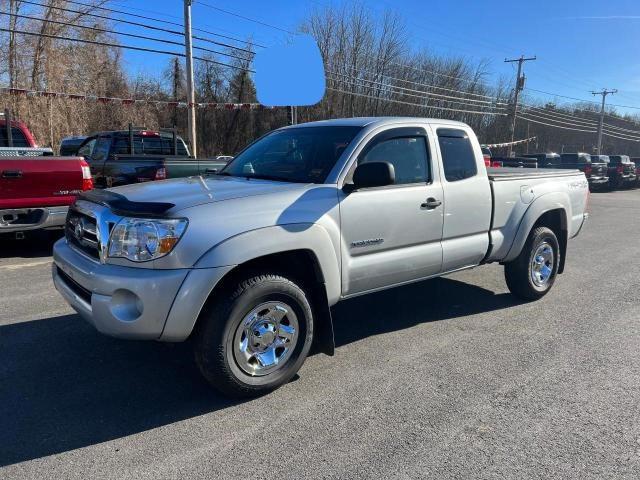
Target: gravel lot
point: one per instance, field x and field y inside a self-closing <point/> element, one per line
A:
<point x="450" y="378"/>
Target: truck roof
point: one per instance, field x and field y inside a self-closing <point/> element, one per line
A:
<point x="377" y="121"/>
<point x="136" y="133"/>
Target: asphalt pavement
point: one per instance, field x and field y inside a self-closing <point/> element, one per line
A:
<point x="448" y="378"/>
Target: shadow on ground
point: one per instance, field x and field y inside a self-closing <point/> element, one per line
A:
<point x="36" y="244"/>
<point x="64" y="386"/>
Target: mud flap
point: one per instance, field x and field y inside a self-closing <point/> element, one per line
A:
<point x="324" y="341"/>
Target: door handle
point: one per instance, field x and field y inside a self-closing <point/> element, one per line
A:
<point x="12" y="174"/>
<point x="431" y="203"/>
<point x="210" y="171"/>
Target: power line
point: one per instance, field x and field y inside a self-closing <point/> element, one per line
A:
<point x="132" y="35"/>
<point x="137" y="24"/>
<point x="237" y="15"/>
<point x="522" y="117"/>
<point x="579" y="99"/>
<point x="613" y="127"/>
<point x="125" y="47"/>
<point x="548" y="115"/>
<point x="166" y="22"/>
<point x="425" y="95"/>
<point x="621" y="138"/>
<point x="424" y="84"/>
<point x="561" y="122"/>
<point x="563" y="117"/>
<point x="413" y="104"/>
<point x="433" y="72"/>
<point x="393" y="92"/>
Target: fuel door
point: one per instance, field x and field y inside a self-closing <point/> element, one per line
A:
<point x="526" y="194"/>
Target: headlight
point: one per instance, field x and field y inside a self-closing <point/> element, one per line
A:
<point x="140" y="239"/>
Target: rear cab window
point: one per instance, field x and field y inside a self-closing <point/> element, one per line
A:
<point x="458" y="157"/>
<point x="19" y="139"/>
<point x="572" y="158"/>
<point x="146" y="145"/>
<point x="101" y="149"/>
<point x="87" y="148"/>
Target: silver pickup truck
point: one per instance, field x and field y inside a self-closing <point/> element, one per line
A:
<point x="248" y="262"/>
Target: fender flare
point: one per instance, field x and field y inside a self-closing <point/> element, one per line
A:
<point x="541" y="205"/>
<point x="261" y="242"/>
<point x="221" y="259"/>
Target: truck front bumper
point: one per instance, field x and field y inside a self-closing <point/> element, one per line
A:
<point x="130" y="302"/>
<point x="23" y="219"/>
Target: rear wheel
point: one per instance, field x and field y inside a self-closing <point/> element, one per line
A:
<point x="532" y="274"/>
<point x="255" y="337"/>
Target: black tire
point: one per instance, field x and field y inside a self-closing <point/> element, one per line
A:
<point x="518" y="273"/>
<point x="220" y="321"/>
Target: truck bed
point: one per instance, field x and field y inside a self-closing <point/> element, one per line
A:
<point x="503" y="174"/>
<point x="516" y="190"/>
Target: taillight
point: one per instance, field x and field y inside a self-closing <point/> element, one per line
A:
<point x="587" y="170"/>
<point x="496" y="163"/>
<point x="87" y="179"/>
<point x="487" y="160"/>
<point x="620" y="168"/>
<point x="161" y="174"/>
<point x="586" y="201"/>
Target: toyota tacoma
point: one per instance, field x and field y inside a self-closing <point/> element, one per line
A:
<point x="248" y="262"/>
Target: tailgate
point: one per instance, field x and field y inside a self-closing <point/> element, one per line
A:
<point x="39" y="182"/>
<point x="629" y="168"/>
<point x="599" y="170"/>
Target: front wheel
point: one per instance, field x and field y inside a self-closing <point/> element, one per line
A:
<point x="254" y="337"/>
<point x="532" y="274"/>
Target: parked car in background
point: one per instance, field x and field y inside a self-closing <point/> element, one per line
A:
<point x="133" y="156"/>
<point x="36" y="190"/>
<point x="488" y="158"/>
<point x="595" y="171"/>
<point x="545" y="160"/>
<point x="20" y="134"/>
<point x="486" y="155"/>
<point x="622" y="171"/>
<point x="69" y="145"/>
<point x="515" y="162"/>
<point x="247" y="263"/>
<point x="636" y="161"/>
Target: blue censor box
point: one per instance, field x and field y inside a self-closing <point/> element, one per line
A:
<point x="291" y="74"/>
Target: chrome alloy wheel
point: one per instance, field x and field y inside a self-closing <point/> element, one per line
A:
<point x="265" y="338"/>
<point x="542" y="265"/>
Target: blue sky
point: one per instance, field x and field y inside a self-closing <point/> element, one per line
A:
<point x="581" y="45"/>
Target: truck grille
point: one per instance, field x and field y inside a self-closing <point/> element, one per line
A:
<point x="81" y="232"/>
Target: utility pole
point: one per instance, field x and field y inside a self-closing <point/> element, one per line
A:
<point x="604" y="92"/>
<point x="191" y="96"/>
<point x="519" y="87"/>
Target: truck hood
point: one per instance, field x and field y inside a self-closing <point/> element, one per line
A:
<point x="193" y="191"/>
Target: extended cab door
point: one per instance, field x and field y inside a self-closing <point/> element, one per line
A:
<point x="390" y="235"/>
<point x="467" y="198"/>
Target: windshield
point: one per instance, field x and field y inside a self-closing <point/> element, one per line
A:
<point x="300" y="155"/>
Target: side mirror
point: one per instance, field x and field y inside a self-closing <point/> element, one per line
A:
<point x="374" y="174"/>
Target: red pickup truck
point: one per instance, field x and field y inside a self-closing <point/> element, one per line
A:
<point x="36" y="188"/>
